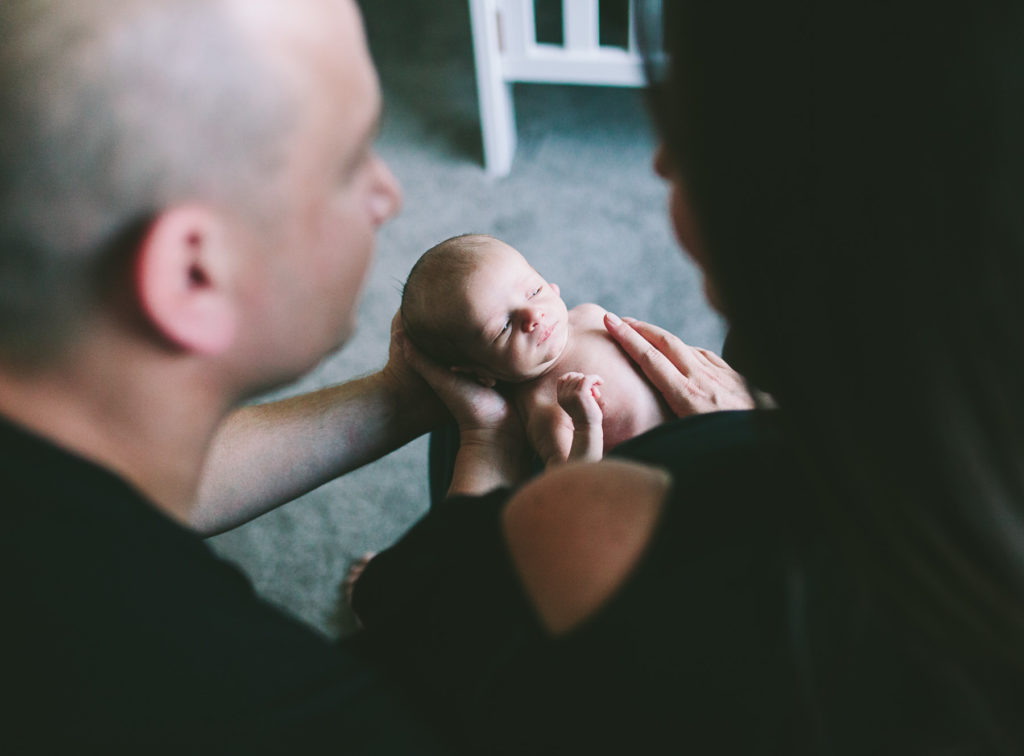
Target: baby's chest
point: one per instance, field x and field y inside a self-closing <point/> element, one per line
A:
<point x="631" y="404"/>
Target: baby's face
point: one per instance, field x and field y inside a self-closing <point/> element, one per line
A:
<point x="517" y="324"/>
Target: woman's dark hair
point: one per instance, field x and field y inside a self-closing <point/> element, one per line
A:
<point x="856" y="170"/>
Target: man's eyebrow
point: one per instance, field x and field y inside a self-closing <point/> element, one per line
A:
<point x="365" y="142"/>
<point x="373" y="130"/>
<point x="378" y="121"/>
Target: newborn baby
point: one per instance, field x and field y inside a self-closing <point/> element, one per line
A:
<point x="473" y="303"/>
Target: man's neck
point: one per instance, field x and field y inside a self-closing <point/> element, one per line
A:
<point x="152" y="436"/>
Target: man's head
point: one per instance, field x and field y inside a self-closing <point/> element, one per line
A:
<point x="475" y="304"/>
<point x="205" y="165"/>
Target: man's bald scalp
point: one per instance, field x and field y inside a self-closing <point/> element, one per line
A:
<point x="110" y="111"/>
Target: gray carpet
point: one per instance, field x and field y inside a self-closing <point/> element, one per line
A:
<point x="581" y="203"/>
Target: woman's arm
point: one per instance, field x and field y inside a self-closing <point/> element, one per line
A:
<point x="575" y="534"/>
<point x="554" y="551"/>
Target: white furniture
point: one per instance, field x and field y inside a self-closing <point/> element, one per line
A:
<point x="506" y="50"/>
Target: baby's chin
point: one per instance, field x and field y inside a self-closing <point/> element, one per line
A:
<point x="540" y="370"/>
<point x="512" y="377"/>
<point x="543" y="367"/>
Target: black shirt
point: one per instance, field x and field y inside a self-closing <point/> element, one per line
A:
<point x="123" y="632"/>
<point x="741" y="630"/>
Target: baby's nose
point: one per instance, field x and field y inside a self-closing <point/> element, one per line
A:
<point x="531" y="318"/>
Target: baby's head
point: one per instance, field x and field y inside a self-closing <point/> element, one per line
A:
<point x="473" y="303"/>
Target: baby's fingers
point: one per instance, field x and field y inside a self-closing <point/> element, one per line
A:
<point x="589" y="384"/>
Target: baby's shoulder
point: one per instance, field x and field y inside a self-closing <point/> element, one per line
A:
<point x="588" y="313"/>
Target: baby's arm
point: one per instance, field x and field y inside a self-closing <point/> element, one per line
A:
<point x="580" y="396"/>
<point x="550" y="432"/>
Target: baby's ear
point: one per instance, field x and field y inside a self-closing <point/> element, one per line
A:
<point x="481" y="378"/>
<point x="555" y="288"/>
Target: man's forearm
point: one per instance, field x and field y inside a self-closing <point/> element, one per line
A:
<point x="265" y="455"/>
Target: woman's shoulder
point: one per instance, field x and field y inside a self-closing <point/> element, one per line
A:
<point x="576" y="534"/>
<point x="717" y="438"/>
<point x="704" y="580"/>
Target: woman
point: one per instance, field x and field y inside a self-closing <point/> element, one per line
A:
<point x="844" y="574"/>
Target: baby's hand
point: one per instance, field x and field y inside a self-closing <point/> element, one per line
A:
<point x="580" y="396"/>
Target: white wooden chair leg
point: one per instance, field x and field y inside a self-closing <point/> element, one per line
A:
<point x="497" y="111"/>
<point x="506" y="50"/>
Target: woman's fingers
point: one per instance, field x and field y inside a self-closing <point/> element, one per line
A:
<point x="684" y="357"/>
<point x="691" y="380"/>
<point x="713" y="358"/>
<point x="656" y="366"/>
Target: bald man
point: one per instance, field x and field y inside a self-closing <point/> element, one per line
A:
<point x="188" y="201"/>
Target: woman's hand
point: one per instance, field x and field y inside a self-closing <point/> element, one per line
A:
<point x="692" y="380"/>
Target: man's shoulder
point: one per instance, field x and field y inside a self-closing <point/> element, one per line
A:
<point x="119" y="620"/>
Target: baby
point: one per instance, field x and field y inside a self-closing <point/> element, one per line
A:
<point x="474" y="303"/>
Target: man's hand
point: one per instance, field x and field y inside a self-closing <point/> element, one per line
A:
<point x="476" y="408"/>
<point x="492" y="444"/>
<point x="403" y="379"/>
<point x="692" y="380"/>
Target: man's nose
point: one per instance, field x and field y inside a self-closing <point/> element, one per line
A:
<point x="386" y="199"/>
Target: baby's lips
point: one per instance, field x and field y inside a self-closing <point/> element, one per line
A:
<point x="547" y="333"/>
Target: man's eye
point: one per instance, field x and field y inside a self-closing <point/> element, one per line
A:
<point x="536" y="291"/>
<point x="352" y="168"/>
<point x="505" y="327"/>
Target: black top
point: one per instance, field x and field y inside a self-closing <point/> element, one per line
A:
<point x="123" y="632"/>
<point x="740" y="631"/>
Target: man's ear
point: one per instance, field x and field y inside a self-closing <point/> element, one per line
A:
<point x="555" y="288"/>
<point x="480" y="376"/>
<point x="183" y="280"/>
